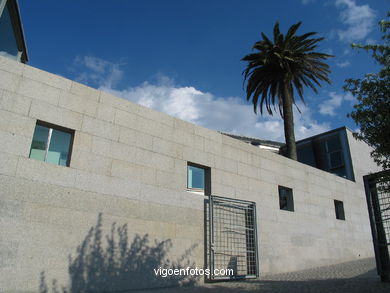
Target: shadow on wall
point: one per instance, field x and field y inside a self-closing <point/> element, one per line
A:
<point x="118" y="265"/>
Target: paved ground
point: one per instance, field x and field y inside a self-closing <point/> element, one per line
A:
<point x="357" y="276"/>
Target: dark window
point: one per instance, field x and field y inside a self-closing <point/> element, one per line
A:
<point x="334" y="152"/>
<point x="198" y="178"/>
<point x="51" y="144"/>
<point x="339" y="210"/>
<point x="8" y="45"/>
<point x="286" y="200"/>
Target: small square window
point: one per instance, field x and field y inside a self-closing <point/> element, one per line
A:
<point x="339" y="210"/>
<point x="286" y="200"/>
<point x="198" y="178"/>
<point x="51" y="144"/>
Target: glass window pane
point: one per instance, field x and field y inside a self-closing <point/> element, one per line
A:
<point x="339" y="209"/>
<point x="286" y="200"/>
<point x="59" y="147"/>
<point x="333" y="144"/>
<point x="195" y="177"/>
<point x="8" y="45"/>
<point x="336" y="159"/>
<point x="38" y="145"/>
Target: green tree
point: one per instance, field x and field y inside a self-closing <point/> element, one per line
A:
<point x="280" y="66"/>
<point x="372" y="111"/>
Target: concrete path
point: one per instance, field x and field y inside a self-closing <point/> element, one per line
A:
<point x="356" y="276"/>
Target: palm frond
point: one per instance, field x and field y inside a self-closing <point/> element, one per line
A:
<point x="287" y="60"/>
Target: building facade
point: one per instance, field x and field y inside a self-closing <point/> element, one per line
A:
<point x="75" y="160"/>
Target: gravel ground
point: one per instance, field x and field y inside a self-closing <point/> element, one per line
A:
<point x="356" y="276"/>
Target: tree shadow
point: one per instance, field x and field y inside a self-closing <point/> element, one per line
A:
<point x="116" y="265"/>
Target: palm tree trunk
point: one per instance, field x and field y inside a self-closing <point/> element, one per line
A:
<point x="288" y="119"/>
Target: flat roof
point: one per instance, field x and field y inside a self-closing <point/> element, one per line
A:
<point x="323" y="134"/>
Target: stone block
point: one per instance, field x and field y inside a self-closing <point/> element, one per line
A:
<point x="45" y="172"/>
<point x="184" y="126"/>
<point x="11" y="66"/>
<point x="154" y="160"/>
<point x="105" y="112"/>
<point x="208" y="133"/>
<point x="267" y="176"/>
<point x="128" y="188"/>
<point x="223" y="190"/>
<point x="47" y="78"/>
<point x="85" y="160"/>
<point x="182" y="137"/>
<point x="16" y="124"/>
<point x="198" y="143"/>
<point x="84" y="91"/>
<point x="38" y="90"/>
<point x="171" y="180"/>
<point x="8" y="163"/>
<point x="128" y="136"/>
<point x="15" y="103"/>
<point x="9" y="81"/>
<point x="154" y="128"/>
<point x="15" y="144"/>
<point x="119" y="103"/>
<point x="100" y="128"/>
<point x="225" y="164"/>
<point x="192" y="200"/>
<point x="144" y="140"/>
<point x="272" y="166"/>
<point x="82" y="141"/>
<point x="77" y="103"/>
<point x="55" y="115"/>
<point x="158" y="194"/>
<point x="248" y="170"/>
<point x="160" y="230"/>
<point x="193" y="232"/>
<point x="210" y="146"/>
<point x="167" y="147"/>
<point x="124" y="152"/>
<point x="201" y="158"/>
<point x="229" y="152"/>
<point x="125" y="170"/>
<point x="126" y="119"/>
<point x="157" y="116"/>
<point x="101" y="146"/>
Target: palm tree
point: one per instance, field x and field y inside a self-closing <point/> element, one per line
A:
<point x="278" y="68"/>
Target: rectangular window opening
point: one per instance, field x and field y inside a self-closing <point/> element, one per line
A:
<point x="198" y="178"/>
<point x="52" y="144"/>
<point x="339" y="210"/>
<point x="286" y="200"/>
<point x="334" y="153"/>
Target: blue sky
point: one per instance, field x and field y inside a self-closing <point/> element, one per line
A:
<point x="183" y="57"/>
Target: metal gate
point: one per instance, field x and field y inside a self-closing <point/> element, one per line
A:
<point x="377" y="188"/>
<point x="232" y="238"/>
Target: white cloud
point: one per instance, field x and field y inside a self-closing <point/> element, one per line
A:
<point x="227" y="114"/>
<point x="343" y="64"/>
<point x="349" y="97"/>
<point x="99" y="71"/>
<point x="359" y="20"/>
<point x="330" y="106"/>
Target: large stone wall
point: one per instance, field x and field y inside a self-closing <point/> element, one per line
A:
<point x="129" y="164"/>
<point x="361" y="160"/>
